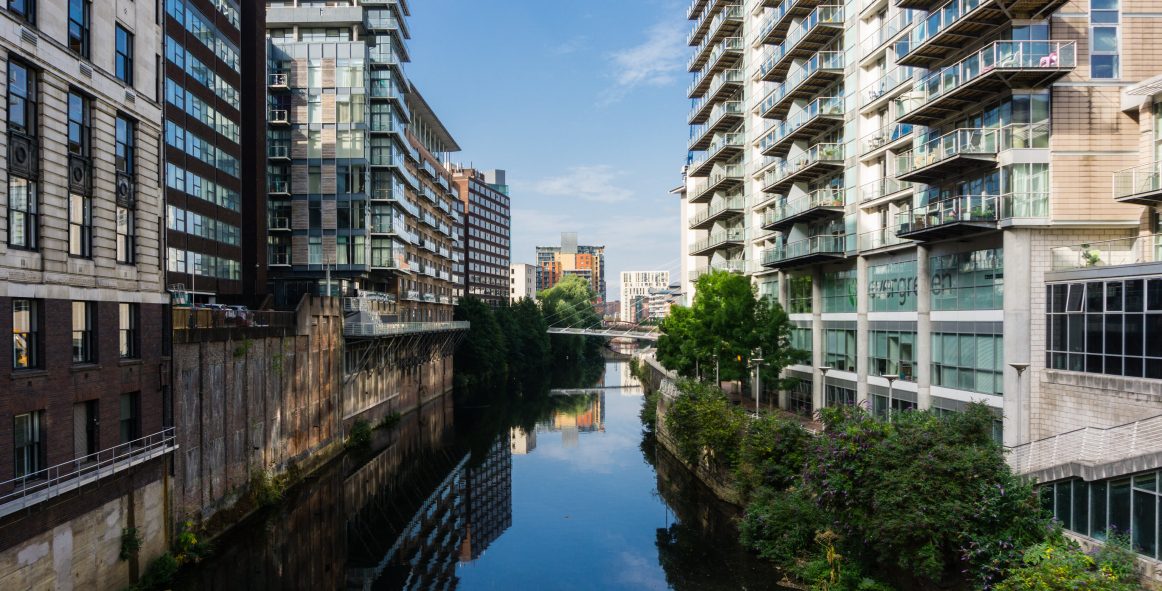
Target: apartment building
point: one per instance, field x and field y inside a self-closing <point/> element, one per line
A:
<point x="361" y="201"/>
<point x="215" y="102"/>
<point x="487" y="234"/>
<point x="925" y="186"/>
<point x="522" y="282"/>
<point x="81" y="288"/>
<point x="638" y="284"/>
<point x="570" y="258"/>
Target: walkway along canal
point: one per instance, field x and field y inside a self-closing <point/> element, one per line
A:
<point x="549" y="491"/>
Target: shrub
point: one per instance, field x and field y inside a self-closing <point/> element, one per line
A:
<point x="158" y="574"/>
<point x="781" y="526"/>
<point x="130" y="543"/>
<point x="703" y="422"/>
<point x="359" y="437"/>
<point x="266" y="490"/>
<point x="390" y="420"/>
<point x="188" y="547"/>
<point x="1058" y="564"/>
<point x="772" y="454"/>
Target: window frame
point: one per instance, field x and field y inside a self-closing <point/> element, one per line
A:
<point x="26" y="218"/>
<point x="31" y="336"/>
<point x="123" y="60"/>
<point x="1113" y="25"/>
<point x="84" y="338"/>
<point x="79" y="41"/>
<point x="80" y="217"/>
<point x="28" y="14"/>
<point x="34" y="459"/>
<point x="128" y="323"/>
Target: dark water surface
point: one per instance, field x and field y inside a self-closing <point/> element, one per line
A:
<point x="556" y="491"/>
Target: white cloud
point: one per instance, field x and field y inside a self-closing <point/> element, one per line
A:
<point x="571" y="45"/>
<point x="657" y="61"/>
<point x="591" y="183"/>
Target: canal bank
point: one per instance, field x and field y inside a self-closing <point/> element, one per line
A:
<point x="550" y="490"/>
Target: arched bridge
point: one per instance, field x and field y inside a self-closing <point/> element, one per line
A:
<point x="611" y="331"/>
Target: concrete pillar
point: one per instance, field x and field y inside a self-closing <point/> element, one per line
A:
<point x="923" y="327"/>
<point x="784" y="299"/>
<point x="1018" y="327"/>
<point x="817" y="394"/>
<point x="861" y="336"/>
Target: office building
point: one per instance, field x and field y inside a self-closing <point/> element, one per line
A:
<point x="570" y="258"/>
<point x="487" y="233"/>
<point x="215" y="98"/>
<point x="361" y="201"/>
<point x="635" y="284"/>
<point x="82" y="291"/>
<point x="522" y="282"/>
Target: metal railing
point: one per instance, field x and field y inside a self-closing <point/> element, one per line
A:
<point x="936" y="23"/>
<point x="277" y="79"/>
<point x="1145" y="178"/>
<point x="279" y="116"/>
<point x="720" y="143"/>
<point x="823" y="60"/>
<point x="210" y="318"/>
<point x="886" y="32"/>
<point x="954" y="143"/>
<point x="829" y="244"/>
<point x="733" y="11"/>
<point x="278" y="151"/>
<point x="884" y="135"/>
<point x="384" y="329"/>
<point x="734" y="202"/>
<point x="961" y="208"/>
<point x="718" y="238"/>
<point x="1130" y="250"/>
<point x="279" y="223"/>
<point x="719" y="49"/>
<point x="827" y="197"/>
<point x="880" y="238"/>
<point x="720" y="111"/>
<point x="891" y="80"/>
<point x="825" y="14"/>
<point x="36" y="487"/>
<point x="824" y="106"/>
<point x="1008" y="55"/>
<point x="1089" y="445"/>
<point x="881" y="187"/>
<point x="814" y="154"/>
<point x="730" y="171"/>
<point x="367" y="302"/>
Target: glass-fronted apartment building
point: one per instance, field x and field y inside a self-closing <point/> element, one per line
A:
<point x="359" y="200"/>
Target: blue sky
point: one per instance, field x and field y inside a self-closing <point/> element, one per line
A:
<point x="582" y="102"/>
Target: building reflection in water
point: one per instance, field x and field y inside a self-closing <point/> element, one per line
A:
<point x="522" y="442"/>
<point x="576" y="414"/>
<point x="487" y="495"/>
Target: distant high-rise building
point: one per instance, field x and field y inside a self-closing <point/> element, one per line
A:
<point x="638" y="284"/>
<point x="522" y="282"/>
<point x="587" y="262"/>
<point x="487" y="233"/>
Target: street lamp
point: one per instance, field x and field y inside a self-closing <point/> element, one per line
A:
<point x="891" y="381"/>
<point x="756" y="361"/>
<point x="1021" y="367"/>
<point x="823" y="369"/>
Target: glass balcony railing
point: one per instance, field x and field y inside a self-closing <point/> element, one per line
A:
<point x="776" y="18"/>
<point x="815" y="245"/>
<point x="720" y="112"/>
<point x="1144" y="180"/>
<point x="827" y="106"/>
<point x="722" y="142"/>
<point x="880" y="238"/>
<point x="278" y="116"/>
<point x="879" y="188"/>
<point x="692" y="10"/>
<point x="885" y="135"/>
<point x="832" y="153"/>
<point x="717" y="239"/>
<point x="822" y="15"/>
<point x="279" y="222"/>
<point x="716" y="83"/>
<point x="733" y="266"/>
<point x="278" y="80"/>
<point x="936" y="23"/>
<point x="278" y="151"/>
<point x="719" y="177"/>
<point x="732" y="12"/>
<point x="891" y="80"/>
<point x="820" y="198"/>
<point x="975" y="141"/>
<point x="886" y="32"/>
<point x="730" y="44"/>
<point x="1131" y="250"/>
<point x="999" y="55"/>
<point x="952" y="210"/>
<point x="823" y="60"/>
<point x="735" y="202"/>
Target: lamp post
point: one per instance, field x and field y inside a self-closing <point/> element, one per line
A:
<point x="891" y="381"/>
<point x="756" y="361"/>
<point x="823" y="369"/>
<point x="1021" y="367"/>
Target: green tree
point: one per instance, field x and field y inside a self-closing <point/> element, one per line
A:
<point x="527" y="339"/>
<point x="569" y="303"/>
<point x="482" y="357"/>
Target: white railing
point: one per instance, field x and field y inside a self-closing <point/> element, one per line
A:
<point x="386" y="329"/>
<point x="1130" y="250"/>
<point x="1089" y="445"/>
<point x="42" y="485"/>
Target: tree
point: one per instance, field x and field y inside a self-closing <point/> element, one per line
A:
<point x="569" y="303"/>
<point x="526" y="339"/>
<point x="482" y="358"/>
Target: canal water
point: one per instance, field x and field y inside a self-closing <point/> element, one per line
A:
<point x="556" y="490"/>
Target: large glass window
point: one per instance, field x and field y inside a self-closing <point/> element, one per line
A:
<point x="79" y="27"/>
<point x="801" y="338"/>
<point x="968" y="361"/>
<point x="892" y="287"/>
<point x="1103" y="39"/>
<point x="27" y="443"/>
<point x="1123" y="505"/>
<point x="78" y="124"/>
<point x="25" y="9"/>
<point x="839" y="289"/>
<point x="892" y="353"/>
<point x="124" y="57"/>
<point x="838" y="396"/>
<point x="799" y="398"/>
<point x="124" y="148"/>
<point x="800" y="297"/>
<point x="968" y="281"/>
<point x="84" y="318"/>
<point x="127" y="319"/>
<point x="1108" y="327"/>
<point x="25" y="334"/>
<point x="22" y="98"/>
<point x="23" y="214"/>
<point x="80" y="225"/>
<point x="839" y="349"/>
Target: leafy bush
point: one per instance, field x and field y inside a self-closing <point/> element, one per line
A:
<point x="265" y="489"/>
<point x="130" y="543"/>
<point x="781" y="526"/>
<point x="703" y="422"/>
<point x="773" y="452"/>
<point x="390" y="420"/>
<point x="1058" y="564"/>
<point x="360" y="435"/>
<point x="158" y="574"/>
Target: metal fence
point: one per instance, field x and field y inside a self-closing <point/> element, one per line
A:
<point x="1089" y="445"/>
<point x="209" y="318"/>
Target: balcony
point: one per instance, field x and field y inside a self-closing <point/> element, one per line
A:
<point x="695" y="7"/>
<point x="804" y="81"/>
<point x="724" y="178"/>
<point x="724" y="116"/>
<point x="279" y="223"/>
<point x="1017" y="9"/>
<point x="980" y="76"/>
<point x="278" y="117"/>
<point x="949" y="155"/>
<point x="881" y="238"/>
<point x="278" y="152"/>
<point x="948" y="30"/>
<point x="732" y="266"/>
<point x="884" y="187"/>
<point x="723" y="209"/>
<point x="720" y="55"/>
<point x="713" y="29"/>
<point x="369" y="325"/>
<point x="815" y="118"/>
<point x="1140" y="185"/>
<point x="890" y="137"/>
<point x="278" y="81"/>
<point x="817" y="249"/>
<point x="779" y="21"/>
<point x="816" y="205"/>
<point x="18" y="494"/>
<point x="724" y="85"/>
<point x="819" y="28"/>
<point x="717" y="240"/>
<point x="875" y="95"/>
<point x="885" y="33"/>
<point x="279" y="259"/>
<point x="818" y="161"/>
<point x="278" y="187"/>
<point x="954" y="217"/>
<point x="1132" y="250"/>
<point x="723" y="147"/>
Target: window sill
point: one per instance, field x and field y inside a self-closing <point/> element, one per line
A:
<point x="21" y="374"/>
<point x="79" y="367"/>
<point x="129" y="361"/>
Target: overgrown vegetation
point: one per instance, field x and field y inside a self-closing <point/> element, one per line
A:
<point x="359" y="437"/>
<point x="390" y="420"/>
<point x="267" y="490"/>
<point x="1058" y="564"/>
<point x="130" y="543"/>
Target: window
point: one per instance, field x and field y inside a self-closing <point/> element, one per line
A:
<point x="839" y="290"/>
<point x="838" y="396"/>
<point x="22" y="99"/>
<point x="968" y="281"/>
<point x="124" y="149"/>
<point x="130" y="417"/>
<point x="78" y="124"/>
<point x="799" y="398"/>
<point x="86" y="428"/>
<point x="892" y="287"/>
<point x="839" y="349"/>
<point x="1106" y="327"/>
<point x="124" y="58"/>
<point x="801" y="338"/>
<point x="27" y="443"/>
<point x="967" y="361"/>
<point x="25" y="9"/>
<point x="25" y="334"/>
<point x="892" y="353"/>
<point x="127" y="322"/>
<point x="22" y="213"/>
<point x="1124" y="505"/>
<point x="800" y="295"/>
<point x="125" y="235"/>
<point x="79" y="27"/>
<point x="1103" y="39"/>
<point x="80" y="225"/>
<point x="83" y="320"/>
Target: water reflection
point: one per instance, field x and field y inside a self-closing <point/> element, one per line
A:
<point x="489" y="496"/>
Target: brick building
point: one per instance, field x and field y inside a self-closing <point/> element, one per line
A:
<point x="487" y="232"/>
